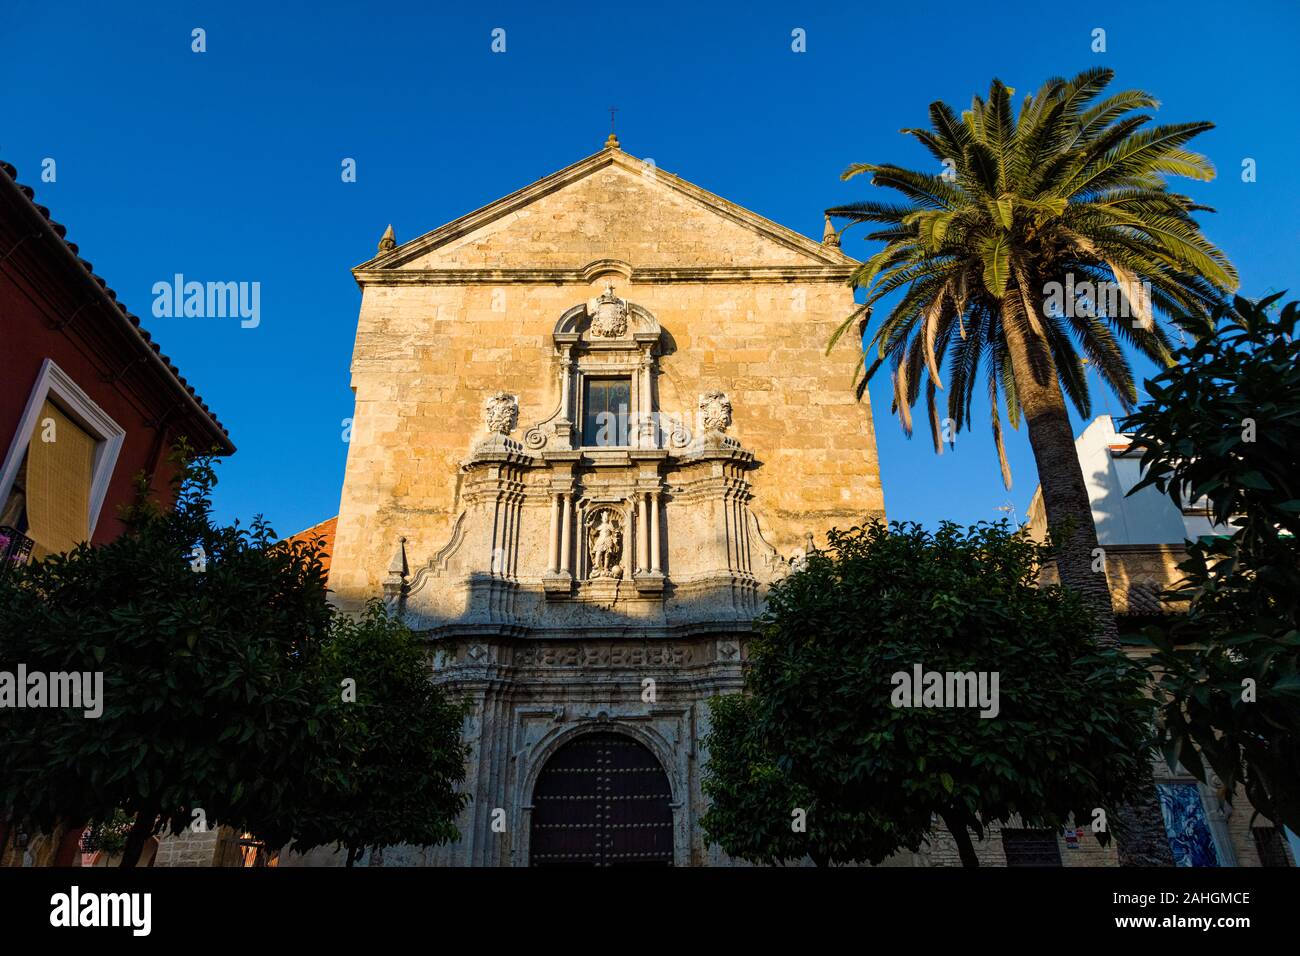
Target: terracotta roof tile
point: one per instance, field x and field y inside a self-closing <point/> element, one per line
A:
<point x="325" y="531"/>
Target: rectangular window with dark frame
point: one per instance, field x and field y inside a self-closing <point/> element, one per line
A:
<point x="606" y="406"/>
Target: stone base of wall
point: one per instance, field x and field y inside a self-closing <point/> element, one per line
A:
<point x="990" y="851"/>
<point x="187" y="849"/>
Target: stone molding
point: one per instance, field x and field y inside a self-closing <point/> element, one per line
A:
<point x="645" y="276"/>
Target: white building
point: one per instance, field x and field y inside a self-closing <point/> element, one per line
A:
<point x="1111" y="467"/>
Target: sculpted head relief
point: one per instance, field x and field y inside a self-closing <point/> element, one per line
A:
<point x="501" y="413"/>
<point x="715" y="411"/>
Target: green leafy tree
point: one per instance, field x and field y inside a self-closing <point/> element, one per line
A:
<point x="109" y="837"/>
<point x="1223" y="427"/>
<point x="223" y="692"/>
<point x="758" y="812"/>
<point x="209" y="640"/>
<point x="823" y="728"/>
<point x="985" y="250"/>
<point x="402" y="738"/>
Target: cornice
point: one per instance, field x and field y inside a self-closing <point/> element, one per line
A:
<point x="652" y="275"/>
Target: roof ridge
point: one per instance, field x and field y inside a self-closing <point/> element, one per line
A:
<point x="561" y="178"/>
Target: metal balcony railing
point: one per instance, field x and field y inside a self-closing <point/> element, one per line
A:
<point x="15" y="547"/>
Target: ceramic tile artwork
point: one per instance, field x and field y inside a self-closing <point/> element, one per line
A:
<point x="1187" y="826"/>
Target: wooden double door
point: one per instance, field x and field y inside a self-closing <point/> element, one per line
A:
<point x="602" y="800"/>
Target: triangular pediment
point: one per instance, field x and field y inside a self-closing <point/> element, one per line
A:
<point x="608" y="207"/>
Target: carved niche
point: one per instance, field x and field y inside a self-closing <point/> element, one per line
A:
<point x="605" y="544"/>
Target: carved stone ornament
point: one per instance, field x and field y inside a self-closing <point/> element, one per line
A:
<point x="609" y="317"/>
<point x="501" y="413"/>
<point x="715" y="411"/>
<point x="605" y="544"/>
<point x="679" y="435"/>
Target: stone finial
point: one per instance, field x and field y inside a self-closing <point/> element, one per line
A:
<point x="395" y="579"/>
<point x="612" y="142"/>
<point x="388" y="242"/>
<point x="398" y="567"/>
<point x="501" y="413"/>
<point x="829" y="236"/>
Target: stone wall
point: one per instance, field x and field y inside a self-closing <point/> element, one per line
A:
<point x="439" y="330"/>
<point x="187" y="849"/>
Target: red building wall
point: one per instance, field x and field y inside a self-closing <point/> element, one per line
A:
<point x="27" y="342"/>
<point x="52" y="306"/>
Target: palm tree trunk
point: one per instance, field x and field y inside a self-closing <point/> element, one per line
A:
<point x="1138" y="826"/>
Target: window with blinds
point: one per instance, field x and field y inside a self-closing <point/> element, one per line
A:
<point x="59" y="471"/>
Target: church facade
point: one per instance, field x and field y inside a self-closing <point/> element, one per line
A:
<point x="594" y="422"/>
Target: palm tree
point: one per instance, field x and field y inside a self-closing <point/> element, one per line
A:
<point x="1024" y="211"/>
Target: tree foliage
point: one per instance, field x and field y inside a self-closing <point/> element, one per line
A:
<point x="220" y="658"/>
<point x="1069" y="190"/>
<point x="403" y="738"/>
<point x="819" y="728"/>
<point x="1223" y="427"/>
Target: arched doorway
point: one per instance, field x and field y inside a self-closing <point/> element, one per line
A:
<point x="602" y="800"/>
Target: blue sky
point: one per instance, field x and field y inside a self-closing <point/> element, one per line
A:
<point x="225" y="165"/>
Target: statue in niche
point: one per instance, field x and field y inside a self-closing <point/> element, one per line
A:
<point x="501" y="413"/>
<point x="609" y="320"/>
<point x="605" y="545"/>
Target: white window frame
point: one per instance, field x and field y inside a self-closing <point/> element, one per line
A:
<point x="54" y="383"/>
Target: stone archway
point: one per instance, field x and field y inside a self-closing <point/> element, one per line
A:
<point x="602" y="799"/>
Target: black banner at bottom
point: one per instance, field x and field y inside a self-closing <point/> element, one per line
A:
<point x="369" y="905"/>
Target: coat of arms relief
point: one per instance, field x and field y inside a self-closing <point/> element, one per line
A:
<point x="609" y="315"/>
